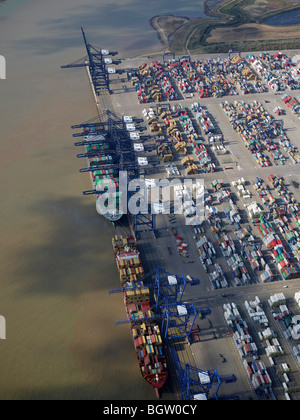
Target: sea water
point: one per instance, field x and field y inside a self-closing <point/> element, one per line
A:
<point x="56" y="259"/>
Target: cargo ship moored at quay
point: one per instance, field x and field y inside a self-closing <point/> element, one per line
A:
<point x="143" y="325"/>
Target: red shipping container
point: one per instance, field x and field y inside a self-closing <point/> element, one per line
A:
<point x="260" y="380"/>
<point x="249" y="370"/>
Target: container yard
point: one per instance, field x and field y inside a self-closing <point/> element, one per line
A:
<point x="208" y="294"/>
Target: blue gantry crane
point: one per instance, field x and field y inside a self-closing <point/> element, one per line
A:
<point x="119" y="153"/>
<point x="198" y="384"/>
<point x="177" y="319"/>
<point x="169" y="287"/>
<point x="195" y="383"/>
<point x="99" y="75"/>
<point x="142" y="223"/>
<point x="97" y="61"/>
<point x="165" y="286"/>
<point x="111" y="147"/>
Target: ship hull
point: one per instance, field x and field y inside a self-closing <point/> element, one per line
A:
<point x="144" y="329"/>
<point x="156" y="382"/>
<point x="112" y="217"/>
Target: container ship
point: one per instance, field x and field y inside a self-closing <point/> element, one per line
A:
<point x="143" y="326"/>
<point x="103" y="172"/>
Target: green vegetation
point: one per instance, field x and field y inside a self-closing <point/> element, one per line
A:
<point x="193" y="36"/>
<point x="223" y="47"/>
<point x="235" y="10"/>
<point x="183" y="36"/>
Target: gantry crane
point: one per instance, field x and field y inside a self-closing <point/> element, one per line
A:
<point x="97" y="61"/>
<point x="195" y="383"/>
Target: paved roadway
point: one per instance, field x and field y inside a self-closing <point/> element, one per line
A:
<point x="206" y="354"/>
<point x="215" y="338"/>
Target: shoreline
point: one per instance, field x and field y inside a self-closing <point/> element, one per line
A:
<point x="162" y="35"/>
<point x="160" y="32"/>
<point x="188" y="27"/>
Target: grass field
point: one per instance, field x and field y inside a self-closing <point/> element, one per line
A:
<point x="254" y="32"/>
<point x="238" y="25"/>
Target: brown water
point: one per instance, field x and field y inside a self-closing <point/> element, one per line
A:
<point x="56" y="262"/>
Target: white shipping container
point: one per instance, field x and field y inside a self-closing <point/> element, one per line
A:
<point x="285" y="367"/>
<point x="241" y="353"/>
<point x="255" y="383"/>
<point x="254" y="347"/>
<point x="236" y="312"/>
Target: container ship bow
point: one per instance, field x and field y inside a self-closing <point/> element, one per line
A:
<point x="104" y="174"/>
<point x="144" y="328"/>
